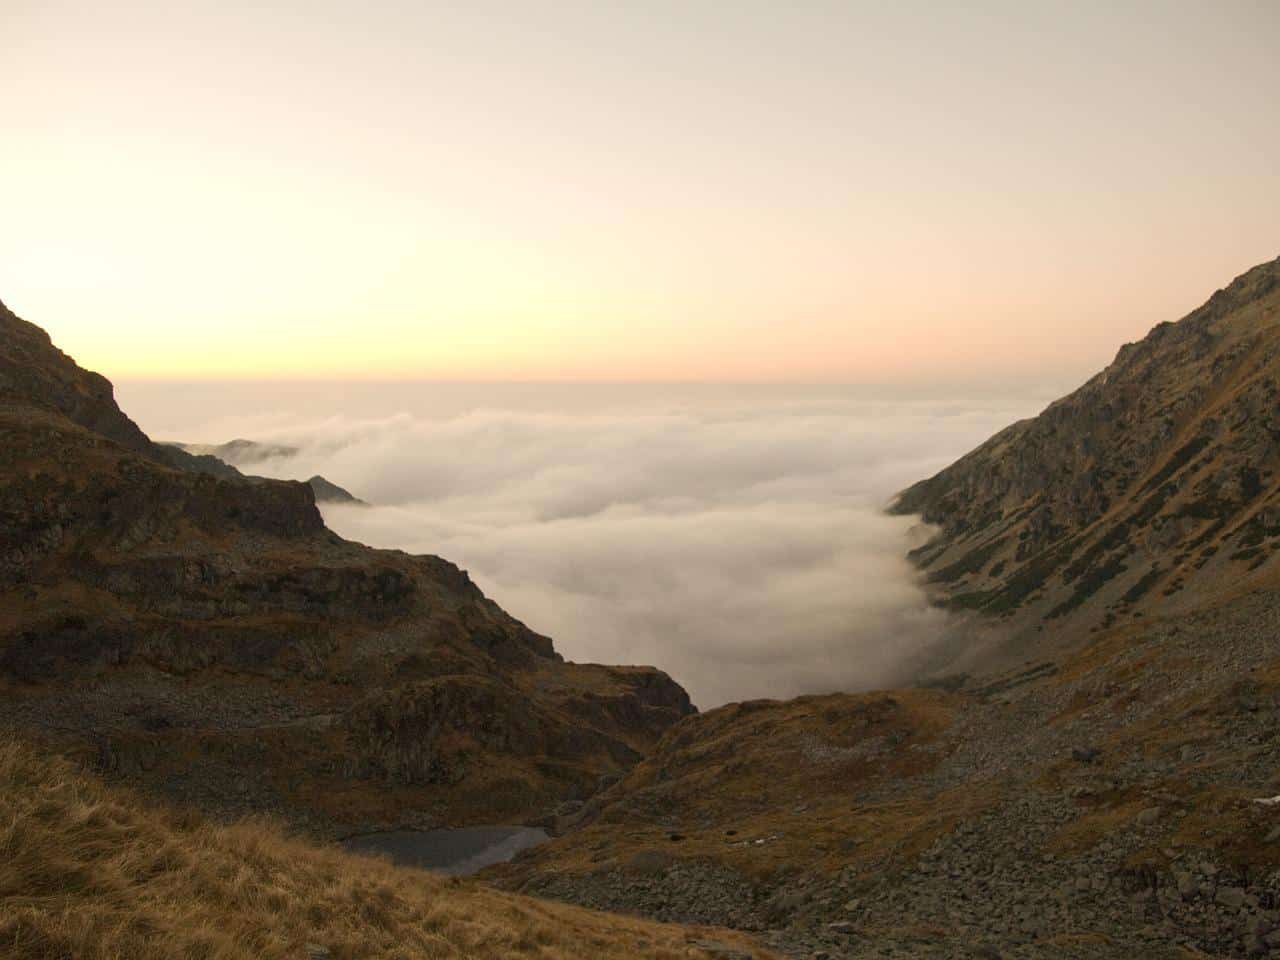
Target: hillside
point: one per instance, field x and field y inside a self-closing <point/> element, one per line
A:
<point x="99" y="874"/>
<point x="1156" y="485"/>
<point x="1105" y="783"/>
<point x="1103" y="806"/>
<point x="207" y="637"/>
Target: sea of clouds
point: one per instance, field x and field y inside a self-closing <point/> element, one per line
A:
<point x="735" y="538"/>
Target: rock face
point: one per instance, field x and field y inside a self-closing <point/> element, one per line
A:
<point x="204" y="634"/>
<point x="1153" y="485"/>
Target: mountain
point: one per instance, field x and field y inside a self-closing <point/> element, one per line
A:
<point x="1156" y="485"/>
<point x="223" y="459"/>
<point x="241" y="452"/>
<point x="205" y="636"/>
<point x="1104" y="783"/>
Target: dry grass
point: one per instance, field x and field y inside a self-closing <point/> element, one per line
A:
<point x="762" y="787"/>
<point x="89" y="872"/>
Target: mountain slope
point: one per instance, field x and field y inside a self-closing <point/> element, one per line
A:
<point x="1105" y="805"/>
<point x="1102" y="784"/>
<point x="1155" y="485"/>
<point x="208" y="637"/>
<point x="97" y="874"/>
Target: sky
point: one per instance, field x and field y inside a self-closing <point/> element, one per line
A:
<point x="724" y="191"/>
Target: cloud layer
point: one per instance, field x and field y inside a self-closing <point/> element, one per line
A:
<point x="736" y="541"/>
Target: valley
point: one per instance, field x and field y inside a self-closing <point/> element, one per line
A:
<point x="1087" y="766"/>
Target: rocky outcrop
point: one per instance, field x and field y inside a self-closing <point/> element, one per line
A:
<point x="204" y="634"/>
<point x="1155" y="485"/>
<point x="33" y="372"/>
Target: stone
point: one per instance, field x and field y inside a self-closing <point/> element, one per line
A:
<point x="1260" y="924"/>
<point x="1085" y="754"/>
<point x="843" y="927"/>
<point x="1230" y="897"/>
<point x="1188" y="886"/>
<point x="1148" y="817"/>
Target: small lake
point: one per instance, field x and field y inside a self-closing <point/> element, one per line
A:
<point x="459" y="852"/>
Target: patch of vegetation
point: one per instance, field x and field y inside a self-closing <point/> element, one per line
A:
<point x="1207" y="534"/>
<point x="974" y="600"/>
<point x="1144" y="585"/>
<point x="1090" y="584"/>
<point x="1031" y="577"/>
<point x="1180" y="459"/>
<point x="971" y="562"/>
<point x="1206" y="508"/>
<point x="1257" y="531"/>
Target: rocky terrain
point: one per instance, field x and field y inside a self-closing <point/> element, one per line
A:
<point x="204" y="635"/>
<point x="1105" y="805"/>
<point x="1155" y="486"/>
<point x="1108" y="787"/>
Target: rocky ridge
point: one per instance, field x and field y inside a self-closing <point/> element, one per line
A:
<point x="1155" y="486"/>
<point x="206" y="636"/>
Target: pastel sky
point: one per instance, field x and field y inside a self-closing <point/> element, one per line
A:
<point x="702" y="190"/>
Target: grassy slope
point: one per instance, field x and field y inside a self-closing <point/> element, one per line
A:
<point x="91" y="872"/>
<point x="823" y="782"/>
<point x="767" y="786"/>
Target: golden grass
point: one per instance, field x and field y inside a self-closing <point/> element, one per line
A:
<point x="90" y="872"/>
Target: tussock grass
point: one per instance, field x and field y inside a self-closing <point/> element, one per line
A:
<point x="91" y="872"/>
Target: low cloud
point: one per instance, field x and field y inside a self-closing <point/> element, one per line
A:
<point x="740" y="545"/>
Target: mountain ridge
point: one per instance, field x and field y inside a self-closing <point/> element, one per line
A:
<point x="206" y="636"/>
<point x="1157" y="477"/>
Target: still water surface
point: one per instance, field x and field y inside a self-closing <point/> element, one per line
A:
<point x="458" y="852"/>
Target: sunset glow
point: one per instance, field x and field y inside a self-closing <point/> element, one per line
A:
<point x="830" y="192"/>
